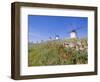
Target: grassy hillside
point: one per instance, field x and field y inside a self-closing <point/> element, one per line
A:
<point x="54" y="53"/>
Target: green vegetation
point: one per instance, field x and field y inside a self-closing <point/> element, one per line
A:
<point x="54" y="53"/>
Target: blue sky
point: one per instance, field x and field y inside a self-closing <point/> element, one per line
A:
<point x="43" y="27"/>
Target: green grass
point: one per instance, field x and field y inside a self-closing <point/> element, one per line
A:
<point x="53" y="53"/>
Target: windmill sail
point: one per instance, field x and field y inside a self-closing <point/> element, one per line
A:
<point x="73" y="31"/>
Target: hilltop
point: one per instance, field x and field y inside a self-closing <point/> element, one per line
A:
<point x="58" y="52"/>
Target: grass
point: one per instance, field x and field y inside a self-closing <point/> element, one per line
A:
<point x="54" y="53"/>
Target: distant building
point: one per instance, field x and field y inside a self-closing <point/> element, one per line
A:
<point x="73" y="34"/>
<point x="50" y="38"/>
<point x="57" y="37"/>
<point x="42" y="41"/>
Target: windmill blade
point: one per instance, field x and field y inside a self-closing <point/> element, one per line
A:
<point x="71" y="31"/>
<point x="79" y="28"/>
<point x="76" y="29"/>
<point x="72" y="27"/>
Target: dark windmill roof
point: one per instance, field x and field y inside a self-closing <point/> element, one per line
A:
<point x="73" y="31"/>
<point x="57" y="35"/>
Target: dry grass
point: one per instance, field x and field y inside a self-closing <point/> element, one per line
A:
<point x="54" y="53"/>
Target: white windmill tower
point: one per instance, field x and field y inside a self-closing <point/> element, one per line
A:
<point x="73" y="34"/>
<point x="57" y="37"/>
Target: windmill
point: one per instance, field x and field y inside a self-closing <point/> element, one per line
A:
<point x="50" y="38"/>
<point x="56" y="37"/>
<point x="73" y="32"/>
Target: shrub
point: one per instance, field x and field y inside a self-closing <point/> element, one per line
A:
<point x="54" y="53"/>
